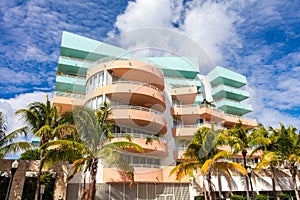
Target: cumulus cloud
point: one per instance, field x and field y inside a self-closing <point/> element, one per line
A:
<point x="209" y="25"/>
<point x="235" y="34"/>
<point x="10" y="106"/>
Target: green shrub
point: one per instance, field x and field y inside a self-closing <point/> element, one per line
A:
<point x="236" y="197"/>
<point x="283" y="196"/>
<point x="262" y="197"/>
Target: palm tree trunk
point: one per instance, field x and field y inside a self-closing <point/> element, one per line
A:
<point x="211" y="191"/>
<point x="273" y="184"/>
<point x="38" y="182"/>
<point x="244" y="153"/>
<point x="294" y="174"/>
<point x="204" y="190"/>
<point x="220" y="185"/>
<point x="83" y="192"/>
<point x="92" y="186"/>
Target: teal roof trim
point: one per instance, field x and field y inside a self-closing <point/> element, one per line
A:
<point x="84" y="48"/>
<point x="182" y="67"/>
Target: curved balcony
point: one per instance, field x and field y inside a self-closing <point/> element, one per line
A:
<point x="194" y="111"/>
<point x="132" y="70"/>
<point x="186" y="95"/>
<point x="139" y="117"/>
<point x="136" y="93"/>
<point x="65" y="101"/>
<point x="156" y="147"/>
<point x="188" y="131"/>
<point x="230" y="120"/>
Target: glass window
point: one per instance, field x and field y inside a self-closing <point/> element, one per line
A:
<point x="150" y="161"/>
<point x="135" y="160"/>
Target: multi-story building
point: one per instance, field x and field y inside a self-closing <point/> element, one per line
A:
<point x="160" y="101"/>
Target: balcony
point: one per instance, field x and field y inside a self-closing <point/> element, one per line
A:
<point x="155" y="147"/>
<point x="65" y="102"/>
<point x="139" y="117"/>
<point x="224" y="91"/>
<point x="136" y="93"/>
<point x="230" y="120"/>
<point x="233" y="107"/>
<point x="220" y="75"/>
<point x="186" y="95"/>
<point x="70" y="83"/>
<point x="132" y="70"/>
<point x="188" y="131"/>
<point x="203" y="111"/>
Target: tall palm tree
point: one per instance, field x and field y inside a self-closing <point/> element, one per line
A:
<point x="289" y="148"/>
<point x="7" y="144"/>
<point x="270" y="157"/>
<point x="202" y="154"/>
<point x="47" y="123"/>
<point x="241" y="140"/>
<point x="92" y="146"/>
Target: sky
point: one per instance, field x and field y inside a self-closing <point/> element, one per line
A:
<point x="257" y="38"/>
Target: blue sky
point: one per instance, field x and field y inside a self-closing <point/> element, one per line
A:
<point x="258" y="38"/>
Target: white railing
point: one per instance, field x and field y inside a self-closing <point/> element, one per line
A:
<point x="67" y="94"/>
<point x="137" y="83"/>
<point x="77" y="59"/>
<point x="138" y="135"/>
<point x="72" y="76"/>
<point x="136" y="108"/>
<point x="229" y="87"/>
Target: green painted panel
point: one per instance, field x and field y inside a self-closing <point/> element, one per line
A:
<point x="233" y="107"/>
<point x="223" y="91"/>
<point x="220" y="75"/>
<point x="181" y="67"/>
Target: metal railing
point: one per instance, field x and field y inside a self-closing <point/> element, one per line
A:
<point x="137" y="83"/>
<point x="77" y="59"/>
<point x="138" y="135"/>
<point x="136" y="108"/>
<point x="67" y="94"/>
<point x="72" y="76"/>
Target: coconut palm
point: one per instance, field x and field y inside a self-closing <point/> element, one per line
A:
<point x="288" y="146"/>
<point x="270" y="157"/>
<point x="241" y="140"/>
<point x="93" y="146"/>
<point x="7" y="144"/>
<point x="47" y="123"/>
<point x="202" y="154"/>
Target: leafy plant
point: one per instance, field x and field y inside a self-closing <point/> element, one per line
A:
<point x="262" y="197"/>
<point x="284" y="196"/>
<point x="236" y="197"/>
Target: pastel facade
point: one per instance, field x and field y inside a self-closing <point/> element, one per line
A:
<point x="160" y="101"/>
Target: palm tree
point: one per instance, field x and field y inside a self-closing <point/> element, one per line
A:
<point x="46" y="123"/>
<point x="269" y="158"/>
<point x="92" y="146"/>
<point x="289" y="148"/>
<point x="202" y="154"/>
<point x="241" y="140"/>
<point x="7" y="144"/>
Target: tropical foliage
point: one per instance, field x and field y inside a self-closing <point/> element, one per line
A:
<point x="202" y="154"/>
<point x="8" y="145"/>
<point x="47" y="123"/>
<point x="92" y="146"/>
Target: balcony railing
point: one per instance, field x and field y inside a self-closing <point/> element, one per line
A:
<point x="77" y="59"/>
<point x="138" y="135"/>
<point x="137" y="83"/>
<point x="136" y="108"/>
<point x="69" y="94"/>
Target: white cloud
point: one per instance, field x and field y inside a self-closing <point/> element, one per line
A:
<point x="229" y="32"/>
<point x="10" y="106"/>
<point x="207" y="26"/>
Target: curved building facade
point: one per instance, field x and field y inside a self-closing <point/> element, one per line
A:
<point x="160" y="102"/>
